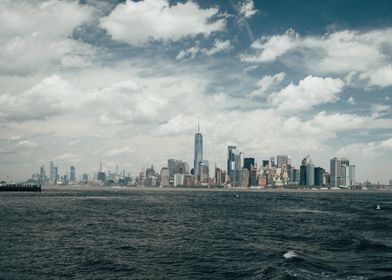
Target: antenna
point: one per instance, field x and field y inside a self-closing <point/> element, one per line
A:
<point x="198" y="127"/>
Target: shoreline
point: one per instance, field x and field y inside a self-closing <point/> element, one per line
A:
<point x="252" y="190"/>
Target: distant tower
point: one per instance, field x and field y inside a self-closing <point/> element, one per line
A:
<point x="231" y="162"/>
<point x="198" y="151"/>
<point x="72" y="173"/>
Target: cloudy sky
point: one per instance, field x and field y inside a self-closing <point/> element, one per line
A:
<point x="126" y="83"/>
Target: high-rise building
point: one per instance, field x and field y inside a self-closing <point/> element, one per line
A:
<point x="238" y="166"/>
<point x="204" y="171"/>
<point x="338" y="171"/>
<point x="198" y="151"/>
<point x="253" y="177"/>
<point x="310" y="174"/>
<point x="352" y="178"/>
<point x="248" y="162"/>
<point x="165" y="177"/>
<point x="182" y="167"/>
<point x="51" y="172"/>
<point x="218" y="176"/>
<point x="231" y="162"/>
<point x="282" y="160"/>
<point x="178" y="180"/>
<point x="266" y="163"/>
<point x="72" y="175"/>
<point x="244" y="178"/>
<point x="171" y="165"/>
<point x="42" y="175"/>
<point x="319" y="176"/>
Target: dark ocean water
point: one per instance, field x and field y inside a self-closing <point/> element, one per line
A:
<point x="195" y="235"/>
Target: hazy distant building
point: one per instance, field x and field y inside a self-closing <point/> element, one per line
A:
<point x="282" y="160"/>
<point x="249" y="162"/>
<point x="203" y="171"/>
<point x="253" y="177"/>
<point x="178" y="180"/>
<point x="238" y="166"/>
<point x="231" y="162"/>
<point x="218" y="176"/>
<point x="52" y="178"/>
<point x="165" y="177"/>
<point x="72" y="174"/>
<point x="302" y="178"/>
<point x="85" y="177"/>
<point x="319" y="174"/>
<point x="182" y="167"/>
<point x="171" y="165"/>
<point x="245" y="178"/>
<point x="266" y="163"/>
<point x="198" y="151"/>
<point x="310" y="174"/>
<point x="338" y="171"/>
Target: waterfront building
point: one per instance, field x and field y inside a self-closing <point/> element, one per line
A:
<point x="338" y="171"/>
<point x="171" y="164"/>
<point x="253" y="177"/>
<point x="319" y="176"/>
<point x="244" y="178"/>
<point x="178" y="180"/>
<point x="52" y="178"/>
<point x="203" y="171"/>
<point x="231" y="162"/>
<point x="42" y="175"/>
<point x="249" y="163"/>
<point x="282" y="160"/>
<point x="165" y="177"/>
<point x="198" y="151"/>
<point x="218" y="176"/>
<point x="302" y="178"/>
<point x="310" y="174"/>
<point x="85" y="177"/>
<point x="72" y="174"/>
<point x="238" y="168"/>
<point x="182" y="167"/>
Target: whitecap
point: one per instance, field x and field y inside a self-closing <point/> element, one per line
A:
<point x="290" y="254"/>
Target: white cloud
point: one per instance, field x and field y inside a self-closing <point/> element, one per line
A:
<point x="247" y="9"/>
<point x="351" y="100"/>
<point x="266" y="82"/>
<point x="271" y="47"/>
<point x="381" y="77"/>
<point x="36" y="35"/>
<point x="342" y="52"/>
<point x="367" y="149"/>
<point x="137" y="23"/>
<point x="219" y="46"/>
<point x="309" y="92"/>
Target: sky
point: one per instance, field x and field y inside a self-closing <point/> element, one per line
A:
<point x="126" y="82"/>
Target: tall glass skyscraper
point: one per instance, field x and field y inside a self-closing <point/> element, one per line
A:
<point x="198" y="151"/>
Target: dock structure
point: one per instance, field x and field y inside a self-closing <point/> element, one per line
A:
<point x="20" y="188"/>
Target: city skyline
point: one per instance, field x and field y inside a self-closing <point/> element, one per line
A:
<point x="80" y="85"/>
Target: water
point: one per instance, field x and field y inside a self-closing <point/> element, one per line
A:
<point x="195" y="235"/>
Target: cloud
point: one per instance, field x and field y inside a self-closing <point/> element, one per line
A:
<point x="247" y="9"/>
<point x="351" y="100"/>
<point x="219" y="46"/>
<point x="269" y="48"/>
<point x="309" y="92"/>
<point x="36" y="35"/>
<point x="381" y="77"/>
<point x="138" y="23"/>
<point x="266" y="83"/>
<point x="367" y="149"/>
<point x="341" y="52"/>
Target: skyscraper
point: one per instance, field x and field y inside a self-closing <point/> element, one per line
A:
<point x="72" y="177"/>
<point x="338" y="171"/>
<point x="310" y="174"/>
<point x="282" y="160"/>
<point x="231" y="162"/>
<point x="198" y="151"/>
<point x="248" y="162"/>
<point x="171" y="165"/>
<point x="51" y="172"/>
<point x="204" y="172"/>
